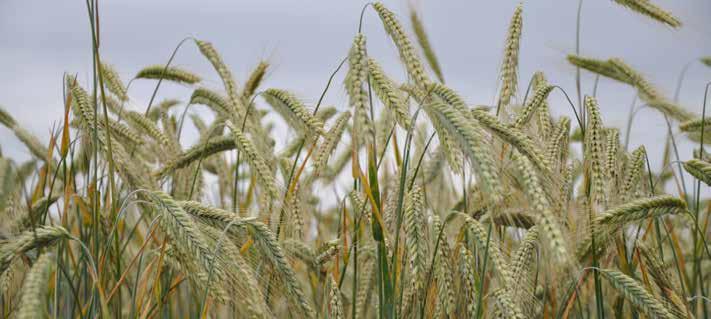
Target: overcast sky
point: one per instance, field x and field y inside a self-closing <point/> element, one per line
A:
<point x="305" y="40"/>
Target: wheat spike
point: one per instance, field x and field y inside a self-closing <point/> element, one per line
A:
<point x="33" y="303"/>
<point x="41" y="236"/>
<point x="407" y="52"/>
<point x="211" y="99"/>
<point x="538" y="99"/>
<point x="254" y="80"/>
<point x="112" y="81"/>
<point x="328" y="146"/>
<point x="415" y="240"/>
<point x="293" y="112"/>
<point x="695" y="125"/>
<point x="172" y="73"/>
<point x="700" y="169"/>
<point x="498" y="262"/>
<point x="612" y="147"/>
<point x="634" y="170"/>
<point x="509" y="66"/>
<point x="256" y="162"/>
<point x="424" y="42"/>
<point x="208" y="50"/>
<point x="6" y="119"/>
<point x="601" y="67"/>
<point x="647" y="8"/>
<point x="467" y="271"/>
<point x="470" y="138"/>
<point x="641" y="209"/>
<point x="540" y="203"/>
<point x="389" y="94"/>
<point x="594" y="151"/>
<point x="636" y="294"/>
<point x="513" y="136"/>
<point x="354" y="82"/>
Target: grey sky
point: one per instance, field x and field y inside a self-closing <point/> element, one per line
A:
<point x="304" y="40"/>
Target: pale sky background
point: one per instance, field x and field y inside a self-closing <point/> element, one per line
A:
<point x="305" y="40"/>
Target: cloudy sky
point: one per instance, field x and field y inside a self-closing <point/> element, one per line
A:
<point x="305" y="40"/>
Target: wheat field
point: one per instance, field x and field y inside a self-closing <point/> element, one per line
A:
<point x="452" y="209"/>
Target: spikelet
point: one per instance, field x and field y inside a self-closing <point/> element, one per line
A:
<point x="538" y="99"/>
<point x="539" y="202"/>
<point x="636" y="294"/>
<point x="42" y="236"/>
<point x="634" y="170"/>
<point x="256" y="162"/>
<point x="647" y="8"/>
<point x="424" y="42"/>
<point x="332" y="138"/>
<point x="509" y="65"/>
<point x="389" y="94"/>
<point x="112" y="81"/>
<point x="33" y="302"/>
<point x="295" y="113"/>
<point x="211" y="99"/>
<point x="254" y="80"/>
<point x="695" y="125"/>
<point x="700" y="169"/>
<point x="415" y="236"/>
<point x="641" y="209"/>
<point x="513" y="136"/>
<point x="469" y="136"/>
<point x="407" y="52"/>
<point x="172" y="73"/>
<point x="594" y="151"/>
